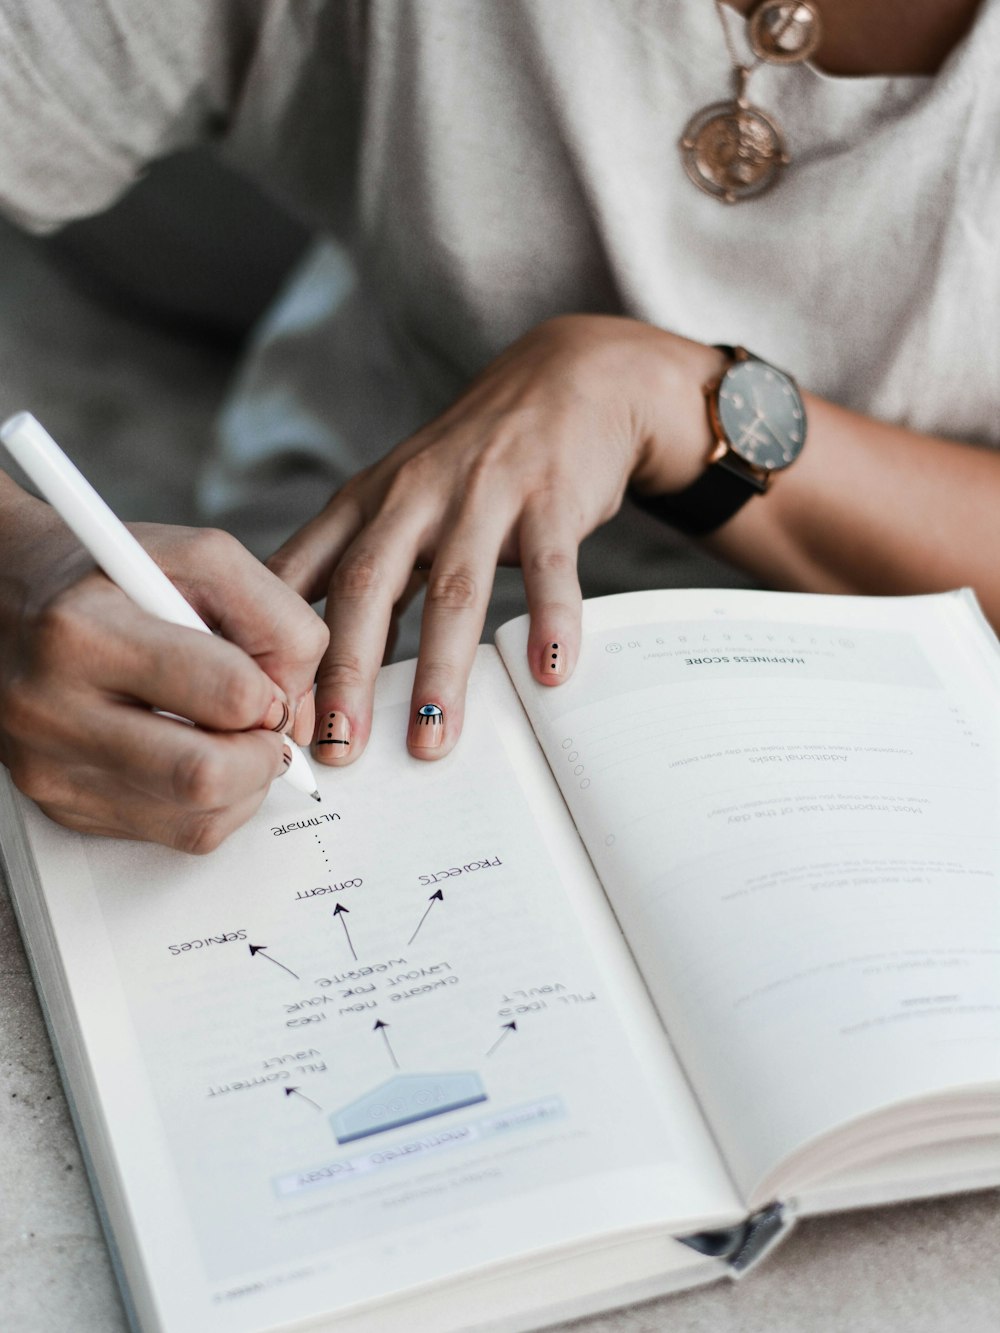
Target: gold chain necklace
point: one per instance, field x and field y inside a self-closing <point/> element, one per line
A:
<point x="733" y="150"/>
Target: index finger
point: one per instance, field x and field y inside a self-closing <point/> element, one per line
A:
<point x="251" y="607"/>
<point x="370" y="578"/>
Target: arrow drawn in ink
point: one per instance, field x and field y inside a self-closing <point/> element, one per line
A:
<point x="340" y="910"/>
<point x="289" y="1091"/>
<point x="434" y="898"/>
<point x="508" y="1028"/>
<point x="381" y="1027"/>
<point x="259" y="948"/>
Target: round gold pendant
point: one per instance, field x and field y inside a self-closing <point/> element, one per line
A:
<point x="784" y="31"/>
<point x="732" y="151"/>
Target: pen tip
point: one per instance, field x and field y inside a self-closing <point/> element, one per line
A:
<point x="316" y="796"/>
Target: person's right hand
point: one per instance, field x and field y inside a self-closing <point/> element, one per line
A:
<point x="81" y="668"/>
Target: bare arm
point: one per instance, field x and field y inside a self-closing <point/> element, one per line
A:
<point x="873" y="508"/>
<point x="867" y="508"/>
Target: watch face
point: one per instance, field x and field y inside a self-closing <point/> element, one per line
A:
<point x="761" y="414"/>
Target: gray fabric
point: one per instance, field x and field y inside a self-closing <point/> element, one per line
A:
<point x="517" y="160"/>
<point x="90" y="94"/>
<point x="491" y="164"/>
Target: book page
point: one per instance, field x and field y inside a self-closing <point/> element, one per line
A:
<point x="792" y="802"/>
<point x="377" y="1042"/>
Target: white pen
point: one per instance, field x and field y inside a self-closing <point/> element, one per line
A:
<point x="113" y="547"/>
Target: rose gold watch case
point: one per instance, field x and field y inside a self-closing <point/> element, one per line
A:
<point x="722" y="451"/>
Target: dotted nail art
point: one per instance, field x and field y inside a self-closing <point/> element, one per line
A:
<point x="335" y="730"/>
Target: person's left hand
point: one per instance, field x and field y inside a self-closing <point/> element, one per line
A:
<point x="532" y="457"/>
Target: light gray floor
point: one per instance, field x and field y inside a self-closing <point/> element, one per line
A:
<point x="135" y="408"/>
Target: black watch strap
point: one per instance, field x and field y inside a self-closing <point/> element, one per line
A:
<point x="707" y="503"/>
<point x="704" y="505"/>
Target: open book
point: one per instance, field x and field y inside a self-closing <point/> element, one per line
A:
<point x="705" y="939"/>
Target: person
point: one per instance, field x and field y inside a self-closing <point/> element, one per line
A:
<point x="538" y="292"/>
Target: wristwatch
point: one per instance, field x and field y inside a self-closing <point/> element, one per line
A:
<point x="758" y="424"/>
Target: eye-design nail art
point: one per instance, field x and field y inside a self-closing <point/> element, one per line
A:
<point x="428" y="726"/>
<point x="553" y="661"/>
<point x="335" y="729"/>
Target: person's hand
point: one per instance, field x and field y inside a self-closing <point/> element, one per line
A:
<point x="81" y="668"/>
<point x="533" y="456"/>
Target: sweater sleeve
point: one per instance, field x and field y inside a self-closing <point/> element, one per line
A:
<point x="91" y="93"/>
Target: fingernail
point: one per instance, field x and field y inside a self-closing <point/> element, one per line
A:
<point x="333" y="735"/>
<point x="553" y="660"/>
<point x="304" y="722"/>
<point x="427" y="729"/>
<point x="276" y="717"/>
